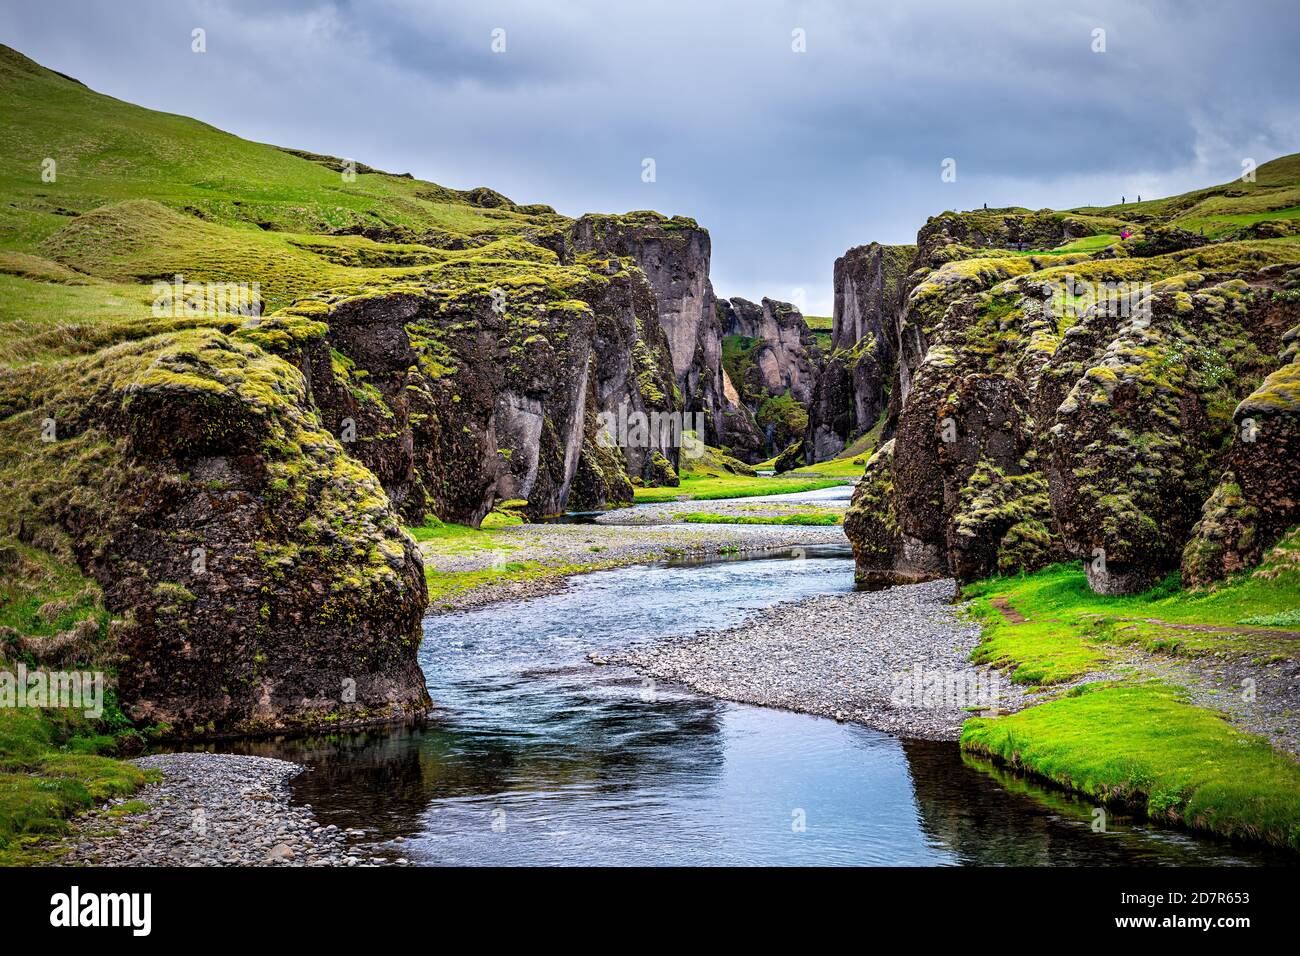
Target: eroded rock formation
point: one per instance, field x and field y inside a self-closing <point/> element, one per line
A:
<point x="772" y="359"/>
<point x="1122" y="405"/>
<point x="259" y="577"/>
<point x="854" y="385"/>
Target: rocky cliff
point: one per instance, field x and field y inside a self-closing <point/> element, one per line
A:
<point x="256" y="573"/>
<point x="1129" y="402"/>
<point x="772" y="359"/>
<point x="225" y="392"/>
<point x="674" y="255"/>
<point x="855" y="384"/>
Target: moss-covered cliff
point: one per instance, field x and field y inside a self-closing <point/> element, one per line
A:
<point x="230" y="373"/>
<point x="1099" y="383"/>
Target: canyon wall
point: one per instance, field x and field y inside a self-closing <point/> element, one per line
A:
<point x="772" y="359"/>
<point x="855" y="384"/>
<point x="1128" y="404"/>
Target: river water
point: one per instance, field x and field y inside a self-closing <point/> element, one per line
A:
<point x="535" y="756"/>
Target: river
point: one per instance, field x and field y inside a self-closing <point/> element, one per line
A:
<point x="536" y="756"/>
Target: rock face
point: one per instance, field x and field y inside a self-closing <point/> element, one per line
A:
<point x="1135" y="450"/>
<point x="785" y="351"/>
<point x="1125" y="408"/>
<point x="459" y="399"/>
<point x="1257" y="498"/>
<point x="854" y="385"/>
<point x="674" y="255"/>
<point x="260" y="579"/>
<point x="771" y="358"/>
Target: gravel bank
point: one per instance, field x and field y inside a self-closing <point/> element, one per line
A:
<point x="577" y="548"/>
<point x="1258" y="697"/>
<point x="848" y="656"/>
<point x="212" y="810"/>
<point x="770" y="506"/>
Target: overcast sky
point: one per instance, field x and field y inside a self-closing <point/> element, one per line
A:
<point x="788" y="158"/>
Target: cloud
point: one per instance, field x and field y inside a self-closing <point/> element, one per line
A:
<point x="789" y="158"/>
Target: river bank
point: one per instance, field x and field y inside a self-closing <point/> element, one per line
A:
<point x="210" y="810"/>
<point x="1162" y="705"/>
<point x="896" y="660"/>
<point x="470" y="568"/>
<point x="535" y="755"/>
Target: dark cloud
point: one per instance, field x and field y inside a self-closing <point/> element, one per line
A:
<point x="788" y="158"/>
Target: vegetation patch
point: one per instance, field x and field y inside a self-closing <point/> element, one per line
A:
<point x="815" y="518"/>
<point x="696" y="487"/>
<point x="1145" y="747"/>
<point x="1133" y="741"/>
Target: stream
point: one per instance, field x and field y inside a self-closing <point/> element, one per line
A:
<point x="535" y="756"/>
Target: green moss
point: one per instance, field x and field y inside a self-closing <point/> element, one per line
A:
<point x="50" y="769"/>
<point x="1146" y="747"/>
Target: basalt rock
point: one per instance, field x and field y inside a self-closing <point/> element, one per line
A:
<point x="953" y="235"/>
<point x="1136" y="443"/>
<point x="783" y="355"/>
<point x="883" y="554"/>
<point x="1082" y="406"/>
<point x="853" y="386"/>
<point x="674" y="254"/>
<point x="461" y="398"/>
<point x="261" y="578"/>
<point x="772" y="358"/>
<point x="789" y="459"/>
<point x="1257" y="499"/>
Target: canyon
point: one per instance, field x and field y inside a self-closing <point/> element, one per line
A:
<point x="221" y="505"/>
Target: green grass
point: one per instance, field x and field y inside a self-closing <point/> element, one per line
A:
<point x="1085" y="244"/>
<point x="141" y="195"/>
<point x="447" y="533"/>
<point x="1068" y="628"/>
<point x="813" y="518"/>
<point x="1289" y="618"/>
<point x="1062" y="592"/>
<point x="834" y="468"/>
<point x="109" y="151"/>
<point x="444" y="539"/>
<point x="444" y="585"/>
<point x="51" y="767"/>
<point x="712" y="487"/>
<point x="1275" y="194"/>
<point x="822" y="326"/>
<point x="1145" y="747"/>
<point x="1133" y="740"/>
<point x="852" y="461"/>
<point x="53" y="763"/>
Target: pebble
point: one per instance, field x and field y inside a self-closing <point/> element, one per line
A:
<point x="837" y="655"/>
<point x="211" y="810"/>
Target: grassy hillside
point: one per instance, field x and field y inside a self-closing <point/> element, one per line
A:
<point x="130" y="197"/>
<point x="139" y="196"/>
<point x="1274" y="195"/>
<point x="109" y="151"/>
